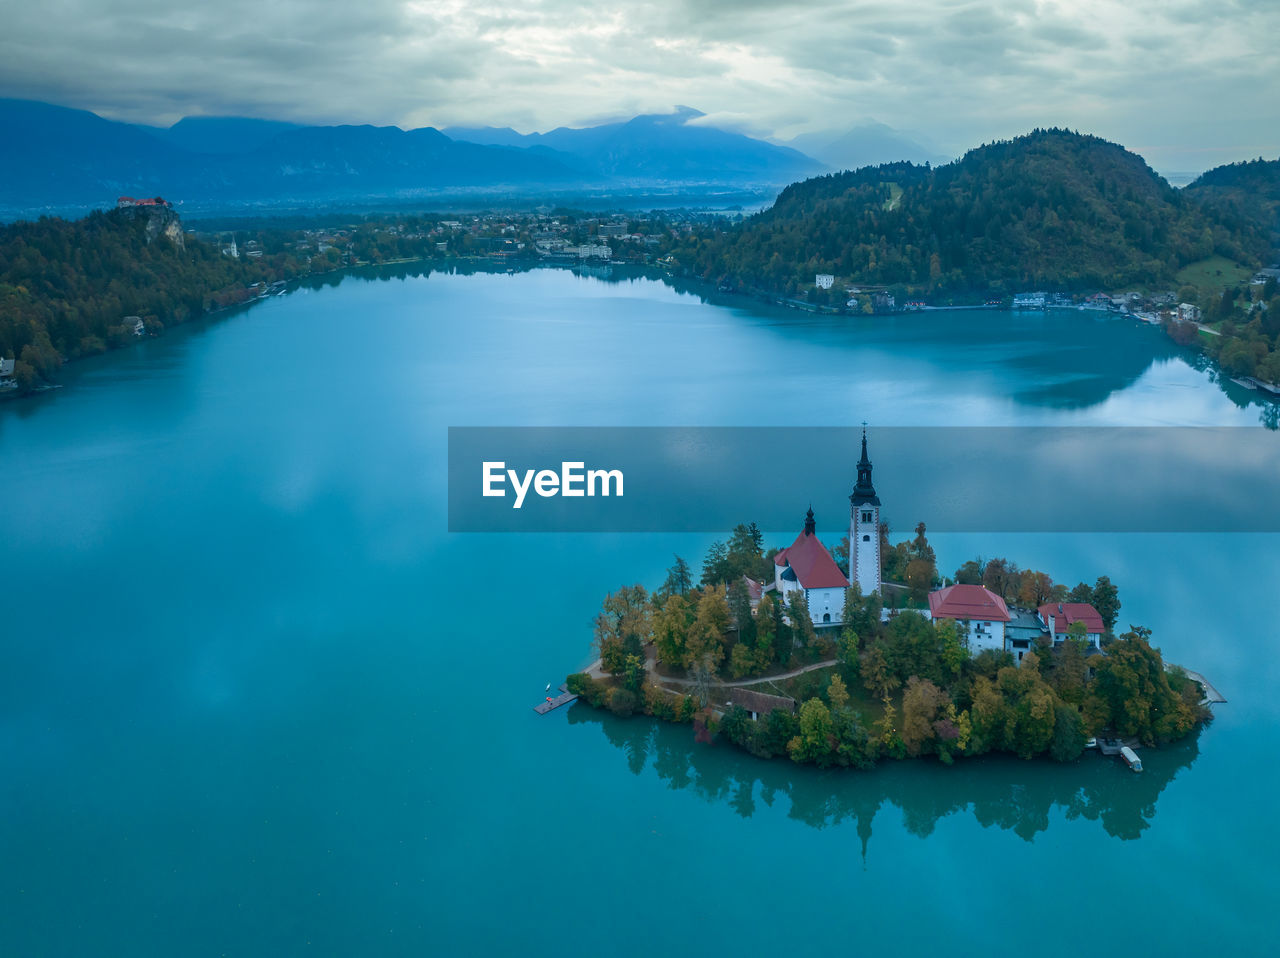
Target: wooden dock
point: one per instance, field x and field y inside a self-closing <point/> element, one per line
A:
<point x="1211" y="695"/>
<point x="548" y="704"/>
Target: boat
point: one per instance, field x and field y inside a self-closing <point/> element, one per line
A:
<point x="1131" y="758"/>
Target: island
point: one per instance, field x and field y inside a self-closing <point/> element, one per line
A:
<point x="846" y="656"/>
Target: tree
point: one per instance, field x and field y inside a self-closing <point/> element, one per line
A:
<point x="971" y="572"/>
<point x="861" y="613"/>
<point x="671" y="625"/>
<point x="1037" y="588"/>
<point x="745" y="552"/>
<point x="740" y="609"/>
<point x="715" y="565"/>
<point x="798" y="613"/>
<point x="742" y="661"/>
<point x="705" y="643"/>
<point x="783" y="641"/>
<point x="876" y="674"/>
<point x="679" y="579"/>
<point x="838" y="693"/>
<point x="986" y="716"/>
<point x="847" y="649"/>
<point x="1106" y="599"/>
<point x="622" y="627"/>
<point x="954" y="651"/>
<point x="923" y="703"/>
<point x="1068" y="734"/>
<point x="997" y="575"/>
<point x="1029" y="708"/>
<point x="1081" y="593"/>
<point x="816" y="739"/>
<point x="920" y="575"/>
<point x="1134" y="692"/>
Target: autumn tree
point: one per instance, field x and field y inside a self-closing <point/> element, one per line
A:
<point x="622" y="627"/>
<point x="671" y="624"/>
<point x="704" y="645"/>
<point x="1028" y="708"/>
<point x="923" y="703"/>
<point x="1134" y="689"/>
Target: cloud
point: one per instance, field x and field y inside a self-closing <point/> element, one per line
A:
<point x="1177" y="73"/>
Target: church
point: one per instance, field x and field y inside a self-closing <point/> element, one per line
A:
<point x="806" y="564"/>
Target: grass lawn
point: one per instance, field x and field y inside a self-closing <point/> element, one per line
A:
<point x="1213" y="273"/>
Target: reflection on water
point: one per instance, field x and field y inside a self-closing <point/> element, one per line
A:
<point x="1061" y="360"/>
<point x="1005" y="792"/>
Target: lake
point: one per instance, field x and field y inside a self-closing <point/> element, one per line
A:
<point x="257" y="700"/>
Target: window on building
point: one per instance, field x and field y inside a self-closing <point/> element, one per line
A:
<point x="866" y="515"/>
<point x="826" y="617"/>
<point x="866" y="538"/>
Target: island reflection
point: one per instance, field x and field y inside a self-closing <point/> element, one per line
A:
<point x="1004" y="792"/>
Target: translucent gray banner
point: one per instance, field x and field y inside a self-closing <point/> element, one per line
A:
<point x="964" y="479"/>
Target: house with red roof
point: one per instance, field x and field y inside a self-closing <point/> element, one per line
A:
<point x="806" y="564"/>
<point x="1058" y="617"/>
<point x="980" y="615"/>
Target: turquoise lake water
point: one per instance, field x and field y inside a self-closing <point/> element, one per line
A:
<point x="255" y="699"/>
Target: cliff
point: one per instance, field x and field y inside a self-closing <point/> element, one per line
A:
<point x="157" y="216"/>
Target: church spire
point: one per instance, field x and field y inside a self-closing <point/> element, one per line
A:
<point x="864" y="493"/>
<point x="809" y="525"/>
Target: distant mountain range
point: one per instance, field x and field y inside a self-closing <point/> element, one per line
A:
<point x="60" y="157"/>
<point x="669" y="147"/>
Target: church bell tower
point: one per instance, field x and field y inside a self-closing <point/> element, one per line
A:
<point x="864" y="527"/>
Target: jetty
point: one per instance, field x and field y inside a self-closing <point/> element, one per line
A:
<point x="1211" y="695"/>
<point x="549" y="703"/>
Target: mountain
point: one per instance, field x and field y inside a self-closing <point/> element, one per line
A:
<point x="660" y="147"/>
<point x="70" y="157"/>
<point x="869" y="144"/>
<point x="1051" y="209"/>
<point x="56" y="155"/>
<point x="222" y="134"/>
<point x="1251" y="190"/>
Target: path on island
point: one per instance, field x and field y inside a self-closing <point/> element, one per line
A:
<point x="597" y="672"/>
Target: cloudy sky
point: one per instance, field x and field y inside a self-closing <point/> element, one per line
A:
<point x="1188" y="84"/>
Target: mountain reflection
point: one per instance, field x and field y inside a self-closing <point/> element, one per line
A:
<point x="1054" y="360"/>
<point x="999" y="791"/>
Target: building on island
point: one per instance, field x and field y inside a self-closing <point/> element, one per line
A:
<point x="824" y="280"/>
<point x="1037" y="300"/>
<point x="7" y="368"/>
<point x="1023" y="633"/>
<point x="760" y="704"/>
<point x="806" y="564"/>
<point x="864" y="528"/>
<point x="980" y="615"/>
<point x="1058" y="617"/>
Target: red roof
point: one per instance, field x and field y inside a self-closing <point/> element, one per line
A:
<point x="812" y="564"/>
<point x="969" y="602"/>
<point x="1068" y="612"/>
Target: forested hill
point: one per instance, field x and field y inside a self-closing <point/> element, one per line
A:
<point x="66" y="287"/>
<point x="1053" y="209"/>
<point x="1250" y="190"/>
